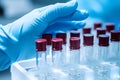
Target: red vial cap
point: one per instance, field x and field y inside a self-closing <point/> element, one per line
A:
<point x="74" y="43"/>
<point x="103" y="40"/>
<point x="97" y="25"/>
<point x="57" y="44"/>
<point x="86" y="30"/>
<point x="74" y="33"/>
<point x="115" y="35"/>
<point x="48" y="37"/>
<point x="110" y="26"/>
<point x="41" y="44"/>
<point x="63" y="36"/>
<point x="88" y="39"/>
<point x="100" y="31"/>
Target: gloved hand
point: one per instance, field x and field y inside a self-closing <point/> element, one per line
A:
<point x="17" y="38"/>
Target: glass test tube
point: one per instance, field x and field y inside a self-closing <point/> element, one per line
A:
<point x="109" y="28"/>
<point x="74" y="33"/>
<point x="41" y="52"/>
<point x="64" y="51"/>
<point x="57" y="51"/>
<point x="88" y="51"/>
<point x="48" y="37"/>
<point x="114" y="55"/>
<point x="86" y="30"/>
<point x="77" y="71"/>
<point x="96" y="25"/>
<point x="103" y="49"/>
<point x="99" y="31"/>
<point x="41" y="59"/>
<point x="56" y="69"/>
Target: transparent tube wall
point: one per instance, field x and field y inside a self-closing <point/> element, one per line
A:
<point x="74" y="57"/>
<point x="88" y="55"/>
<point x="103" y="53"/>
<point x="114" y="51"/>
<point x="41" y="59"/>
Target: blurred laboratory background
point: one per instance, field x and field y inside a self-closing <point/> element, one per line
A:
<point x="105" y="11"/>
<point x="11" y="10"/>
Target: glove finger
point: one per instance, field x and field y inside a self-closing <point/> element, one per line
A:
<point x="64" y="26"/>
<point x="78" y="15"/>
<point x="43" y="8"/>
<point x="58" y="10"/>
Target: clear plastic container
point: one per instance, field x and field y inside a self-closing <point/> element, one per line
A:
<point x="19" y="70"/>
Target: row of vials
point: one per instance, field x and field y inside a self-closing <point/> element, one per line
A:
<point x="92" y="55"/>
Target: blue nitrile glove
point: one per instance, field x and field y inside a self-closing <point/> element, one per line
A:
<point x="17" y="39"/>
